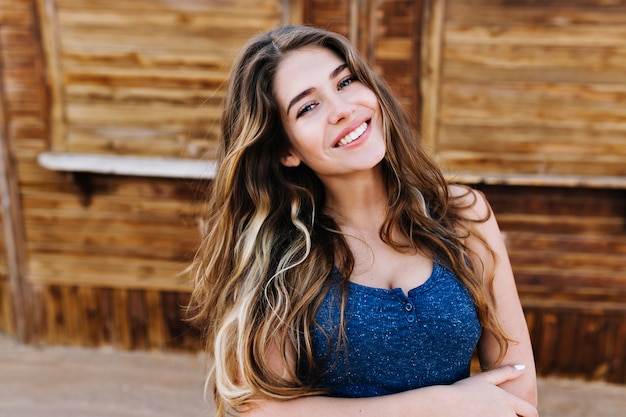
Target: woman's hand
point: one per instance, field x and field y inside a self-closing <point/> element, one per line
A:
<point x="477" y="396"/>
<point x="480" y="395"/>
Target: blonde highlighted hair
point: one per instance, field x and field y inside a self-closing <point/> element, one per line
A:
<point x="262" y="267"/>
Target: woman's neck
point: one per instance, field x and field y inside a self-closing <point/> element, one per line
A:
<point x="358" y="203"/>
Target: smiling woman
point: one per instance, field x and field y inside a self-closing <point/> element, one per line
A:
<point x="333" y="120"/>
<point x="340" y="273"/>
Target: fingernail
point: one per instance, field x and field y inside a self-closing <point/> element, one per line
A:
<point x="520" y="367"/>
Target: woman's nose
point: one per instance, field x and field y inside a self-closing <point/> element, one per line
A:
<point x="340" y="109"/>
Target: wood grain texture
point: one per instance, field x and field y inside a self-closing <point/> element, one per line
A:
<point x="531" y="92"/>
<point x="144" y="89"/>
<point x="532" y="87"/>
<point x="568" y="249"/>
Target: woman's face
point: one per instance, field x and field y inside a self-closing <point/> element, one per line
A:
<point x="333" y="121"/>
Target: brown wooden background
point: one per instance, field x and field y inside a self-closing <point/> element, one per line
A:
<point x="524" y="99"/>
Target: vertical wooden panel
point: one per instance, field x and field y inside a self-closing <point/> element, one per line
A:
<point x="431" y="47"/>
<point x="11" y="241"/>
<point x="121" y="323"/>
<point x="156" y="328"/>
<point x="54" y="316"/>
<point x="386" y="32"/>
<point x="329" y="14"/>
<point x="7" y="319"/>
<point x="618" y="355"/>
<point x="138" y="319"/>
<point x="396" y="34"/>
<point x="95" y="323"/>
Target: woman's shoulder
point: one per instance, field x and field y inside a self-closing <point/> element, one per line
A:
<point x="470" y="203"/>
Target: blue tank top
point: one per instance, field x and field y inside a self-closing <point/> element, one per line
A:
<point x="396" y="341"/>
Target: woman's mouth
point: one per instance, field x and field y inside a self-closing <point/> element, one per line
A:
<point x="352" y="136"/>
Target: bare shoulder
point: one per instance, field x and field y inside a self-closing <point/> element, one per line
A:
<point x="472" y="203"/>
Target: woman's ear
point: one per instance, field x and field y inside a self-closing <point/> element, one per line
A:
<point x="289" y="159"/>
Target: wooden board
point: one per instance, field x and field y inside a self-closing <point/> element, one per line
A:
<point x="533" y="87"/>
<point x="144" y="77"/>
<point x="568" y="251"/>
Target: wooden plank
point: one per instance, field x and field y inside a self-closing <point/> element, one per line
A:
<point x="431" y="58"/>
<point x="531" y="88"/>
<point x="94" y="323"/>
<point x="293" y="11"/>
<point x="489" y="163"/>
<point x="551" y="180"/>
<point x="328" y="14"/>
<point x="13" y="238"/>
<point x="7" y="315"/>
<point x="54" y="319"/>
<point x="182" y="336"/>
<point x="107" y="271"/>
<point x="618" y="354"/>
<point x="583" y="35"/>
<point x="121" y="334"/>
<point x="54" y="79"/>
<point x="536" y="102"/>
<point x="572" y="13"/>
<point x="138" y="319"/>
<point x="157" y="334"/>
<point x="612" y="244"/>
<point x="98" y="46"/>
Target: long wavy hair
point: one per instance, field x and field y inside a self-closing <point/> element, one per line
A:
<point x="263" y="265"/>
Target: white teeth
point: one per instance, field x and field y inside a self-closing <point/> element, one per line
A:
<point x="354" y="135"/>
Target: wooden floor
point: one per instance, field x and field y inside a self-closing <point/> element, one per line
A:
<point x="75" y="382"/>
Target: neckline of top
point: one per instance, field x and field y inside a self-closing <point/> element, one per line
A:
<point x="394" y="292"/>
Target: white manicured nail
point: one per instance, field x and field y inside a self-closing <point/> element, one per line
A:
<point x="520" y="367"/>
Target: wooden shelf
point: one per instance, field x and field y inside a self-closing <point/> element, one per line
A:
<point x="128" y="165"/>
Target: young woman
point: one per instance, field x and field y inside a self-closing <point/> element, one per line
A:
<point x="340" y="274"/>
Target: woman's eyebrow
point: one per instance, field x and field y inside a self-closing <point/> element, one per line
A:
<point x="308" y="91"/>
<point x="337" y="71"/>
<point x="299" y="97"/>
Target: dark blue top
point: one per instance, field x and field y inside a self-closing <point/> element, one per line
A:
<point x="397" y="341"/>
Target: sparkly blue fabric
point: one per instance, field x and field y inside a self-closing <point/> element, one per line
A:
<point x="396" y="341"/>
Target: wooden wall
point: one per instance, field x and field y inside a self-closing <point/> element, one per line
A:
<point x="530" y="96"/>
<point x="498" y="88"/>
<point x="568" y="251"/>
<point x="128" y="74"/>
<point x="533" y="87"/>
<point x="105" y="255"/>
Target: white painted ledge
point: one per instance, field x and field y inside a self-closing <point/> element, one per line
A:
<point x="206" y="169"/>
<point x="546" y="180"/>
<point x="128" y="165"/>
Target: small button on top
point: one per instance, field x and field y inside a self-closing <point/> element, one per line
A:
<point x="408" y="306"/>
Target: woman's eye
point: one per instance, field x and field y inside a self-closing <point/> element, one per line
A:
<point x="346" y="82"/>
<point x="305" y="109"/>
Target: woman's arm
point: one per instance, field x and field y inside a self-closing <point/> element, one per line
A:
<point x="508" y="306"/>
<point x="481" y="395"/>
<point x="477" y="396"/>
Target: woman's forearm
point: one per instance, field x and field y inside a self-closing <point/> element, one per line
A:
<point x="477" y="396"/>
